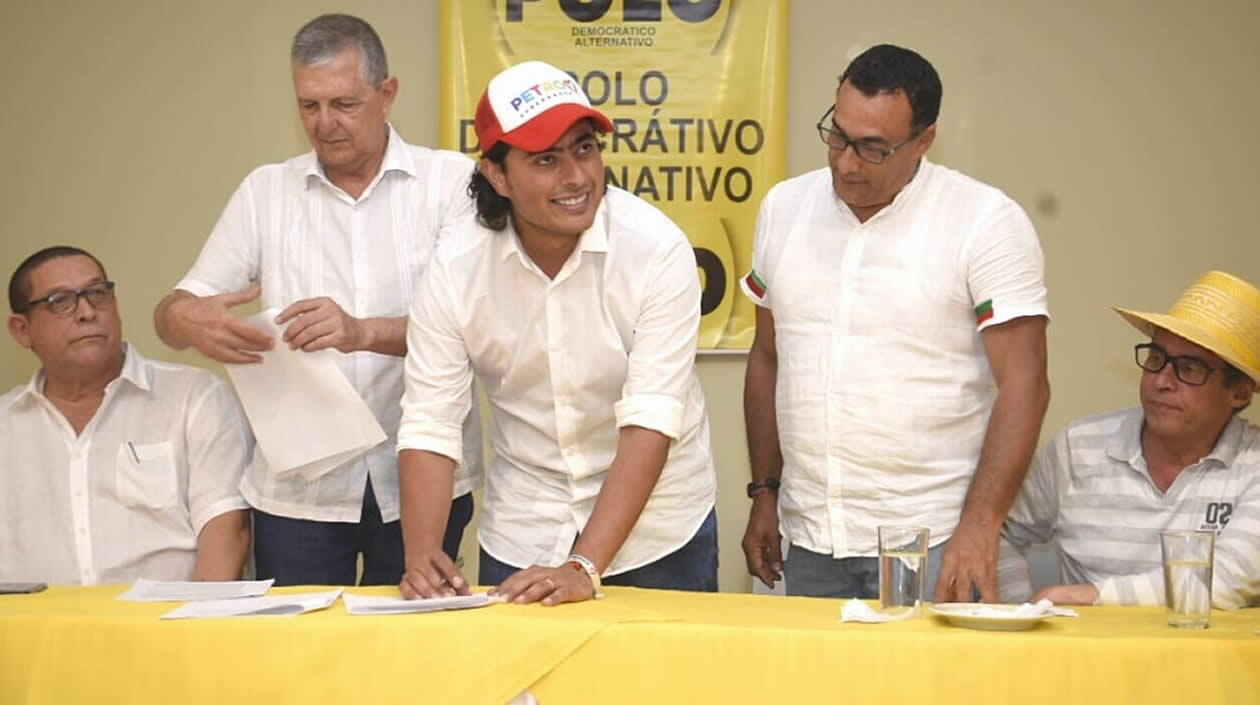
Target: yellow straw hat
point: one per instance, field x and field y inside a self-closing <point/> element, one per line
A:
<point x="1219" y="312"/>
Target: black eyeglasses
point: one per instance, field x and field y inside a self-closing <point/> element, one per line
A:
<point x="867" y="152"/>
<point x="63" y="301"/>
<point x="1189" y="369"/>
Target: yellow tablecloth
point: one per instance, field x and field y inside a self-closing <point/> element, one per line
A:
<point x="79" y="645"/>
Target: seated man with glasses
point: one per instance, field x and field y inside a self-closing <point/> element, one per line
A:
<point x="898" y="372"/>
<point x="115" y="467"/>
<point x="1107" y="485"/>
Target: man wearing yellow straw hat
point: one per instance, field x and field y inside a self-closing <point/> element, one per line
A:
<point x="1107" y="485"/>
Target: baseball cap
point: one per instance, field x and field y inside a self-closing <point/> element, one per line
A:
<point x="530" y="106"/>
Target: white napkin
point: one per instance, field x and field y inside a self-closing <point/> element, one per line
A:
<point x="857" y="611"/>
<point x="1044" y="608"/>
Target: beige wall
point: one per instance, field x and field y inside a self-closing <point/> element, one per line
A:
<point x="1126" y="131"/>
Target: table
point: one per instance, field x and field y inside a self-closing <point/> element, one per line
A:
<point x="80" y="645"/>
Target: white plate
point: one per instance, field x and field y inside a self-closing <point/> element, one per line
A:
<point x="1000" y="618"/>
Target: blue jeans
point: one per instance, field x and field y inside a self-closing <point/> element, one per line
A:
<point x="306" y="552"/>
<point x="692" y="567"/>
<point x="820" y="575"/>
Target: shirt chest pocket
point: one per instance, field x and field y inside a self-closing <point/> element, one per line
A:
<point x="145" y="475"/>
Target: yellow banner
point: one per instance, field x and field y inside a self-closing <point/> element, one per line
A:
<point x="696" y="92"/>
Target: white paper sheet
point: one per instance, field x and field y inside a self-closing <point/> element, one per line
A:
<point x="145" y="590"/>
<point x="305" y="414"/>
<point x="268" y="606"/>
<point x="369" y="604"/>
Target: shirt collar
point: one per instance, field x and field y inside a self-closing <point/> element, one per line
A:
<point x="905" y="194"/>
<point x="1126" y="445"/>
<point x="397" y="158"/>
<point x="594" y="239"/>
<point x="135" y="370"/>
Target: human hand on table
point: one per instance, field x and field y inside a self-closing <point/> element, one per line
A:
<point x="762" y="541"/>
<point x="1083" y="594"/>
<point x="551" y="586"/>
<point x="432" y="574"/>
<point x="970" y="559"/>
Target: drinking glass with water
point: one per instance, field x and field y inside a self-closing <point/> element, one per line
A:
<point x="902" y="568"/>
<point x="1188" y="577"/>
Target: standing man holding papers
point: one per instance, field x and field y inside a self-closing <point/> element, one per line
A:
<point x="333" y="241"/>
<point x="578" y="307"/>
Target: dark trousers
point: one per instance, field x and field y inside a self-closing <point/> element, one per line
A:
<point x="305" y="552"/>
<point x="692" y="567"/>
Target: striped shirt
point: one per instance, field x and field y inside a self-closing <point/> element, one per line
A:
<point x="1090" y="489"/>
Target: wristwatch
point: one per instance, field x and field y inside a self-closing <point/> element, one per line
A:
<point x="585" y="565"/>
<point x="770" y="485"/>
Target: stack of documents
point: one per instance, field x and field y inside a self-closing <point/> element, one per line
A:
<point x="269" y="606"/>
<point x="146" y="590"/>
<point x="241" y="598"/>
<point x="365" y="604"/>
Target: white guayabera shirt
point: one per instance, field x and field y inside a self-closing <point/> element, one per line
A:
<point x="127" y="497"/>
<point x="290" y="229"/>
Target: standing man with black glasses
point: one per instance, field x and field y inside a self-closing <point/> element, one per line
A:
<point x="1184" y="460"/>
<point x="898" y="373"/>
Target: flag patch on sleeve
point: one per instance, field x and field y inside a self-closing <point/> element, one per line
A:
<point x="754" y="283"/>
<point x="984" y="311"/>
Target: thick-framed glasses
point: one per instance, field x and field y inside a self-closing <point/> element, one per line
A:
<point x="1188" y="368"/>
<point x="833" y="137"/>
<point x="62" y="301"/>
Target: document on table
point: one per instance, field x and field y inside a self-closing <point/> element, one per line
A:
<point x="368" y="604"/>
<point x="307" y="417"/>
<point x="145" y="590"/>
<point x="268" y="606"/>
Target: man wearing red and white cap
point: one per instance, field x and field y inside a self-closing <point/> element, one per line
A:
<point x="578" y="306"/>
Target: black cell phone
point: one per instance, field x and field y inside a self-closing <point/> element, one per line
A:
<point x="18" y="588"/>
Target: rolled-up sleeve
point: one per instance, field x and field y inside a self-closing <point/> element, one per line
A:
<point x="437" y="373"/>
<point x="219" y="446"/>
<point x="663" y="351"/>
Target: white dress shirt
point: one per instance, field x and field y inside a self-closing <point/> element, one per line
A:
<point x="300" y="236"/>
<point x="1090" y="490"/>
<point x="126" y="498"/>
<point x="884" y="390"/>
<point x="566" y="362"/>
